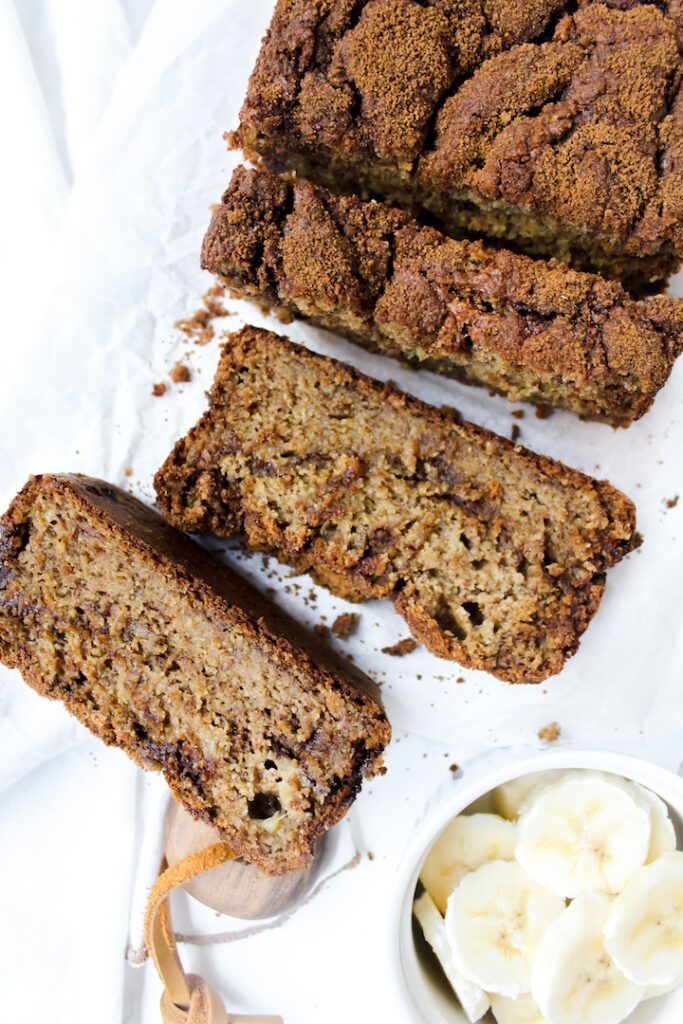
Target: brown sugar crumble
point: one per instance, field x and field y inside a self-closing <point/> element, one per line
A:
<point x="159" y="389"/>
<point x="402" y="647"/>
<point x="345" y="624"/>
<point x="198" y="327"/>
<point x="549" y="733"/>
<point x="552" y="123"/>
<point x="530" y="330"/>
<point x="180" y="373"/>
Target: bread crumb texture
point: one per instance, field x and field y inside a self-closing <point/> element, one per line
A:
<point x="401" y="647"/>
<point x="494" y="556"/>
<point x="180" y="373"/>
<point x="345" y="625"/>
<point x="147" y="642"/>
<point x="549" y="733"/>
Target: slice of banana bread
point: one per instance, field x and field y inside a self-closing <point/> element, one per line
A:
<point x="530" y="329"/>
<point x="159" y="650"/>
<point x="554" y="124"/>
<point x="495" y="557"/>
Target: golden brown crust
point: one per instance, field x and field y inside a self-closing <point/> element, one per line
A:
<point x="495" y="556"/>
<point x="560" y="130"/>
<point x="110" y="521"/>
<point x="528" y="328"/>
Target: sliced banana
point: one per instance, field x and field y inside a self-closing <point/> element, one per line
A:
<point x="469" y="841"/>
<point x="509" y="799"/>
<point x="654" y="991"/>
<point x="516" y="1011"/>
<point x="473" y="999"/>
<point x="574" y="979"/>
<point x="494" y="922"/>
<point x="663" y="835"/>
<point x="581" y="833"/>
<point x="644" y="931"/>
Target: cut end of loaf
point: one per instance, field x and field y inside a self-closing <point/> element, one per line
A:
<point x="532" y="330"/>
<point x="252" y="735"/>
<point x="495" y="556"/>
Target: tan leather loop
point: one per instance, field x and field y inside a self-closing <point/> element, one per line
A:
<point x="187" y="998"/>
<point x="205" y="1005"/>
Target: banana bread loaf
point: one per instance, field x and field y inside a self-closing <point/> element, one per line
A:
<point x="555" y="125"/>
<point x="495" y="557"/>
<point x="158" y="649"/>
<point x="527" y="328"/>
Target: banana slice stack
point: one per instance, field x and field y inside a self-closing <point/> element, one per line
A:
<point x="566" y="907"/>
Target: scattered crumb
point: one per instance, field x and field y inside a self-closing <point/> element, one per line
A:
<point x="180" y="373"/>
<point x="515" y="432"/>
<point x="453" y="767"/>
<point x="159" y="389"/>
<point x="319" y="629"/>
<point x="283" y="315"/>
<point x="549" y="733"/>
<point x="543" y="412"/>
<point x="397" y="650"/>
<point x="128" y="471"/>
<point x="198" y="327"/>
<point x="460" y="679"/>
<point x="518" y="414"/>
<point x="371" y="855"/>
<point x="671" y="502"/>
<point x="451" y="410"/>
<point x="344" y="625"/>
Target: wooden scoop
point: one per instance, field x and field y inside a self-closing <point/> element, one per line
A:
<point x="235" y="888"/>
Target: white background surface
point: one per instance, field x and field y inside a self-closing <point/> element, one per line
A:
<point x="112" y="120"/>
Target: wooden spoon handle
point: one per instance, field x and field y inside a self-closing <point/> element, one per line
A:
<point x="187" y="999"/>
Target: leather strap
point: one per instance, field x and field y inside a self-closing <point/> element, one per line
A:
<point x="187" y="999"/>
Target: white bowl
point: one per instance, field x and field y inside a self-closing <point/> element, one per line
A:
<point x="427" y="995"/>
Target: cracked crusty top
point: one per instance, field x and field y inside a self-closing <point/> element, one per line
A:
<point x="578" y="115"/>
<point x="300" y="241"/>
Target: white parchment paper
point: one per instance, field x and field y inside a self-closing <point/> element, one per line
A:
<point x="76" y="391"/>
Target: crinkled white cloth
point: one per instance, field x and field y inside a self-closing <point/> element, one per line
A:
<point x="112" y="120"/>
